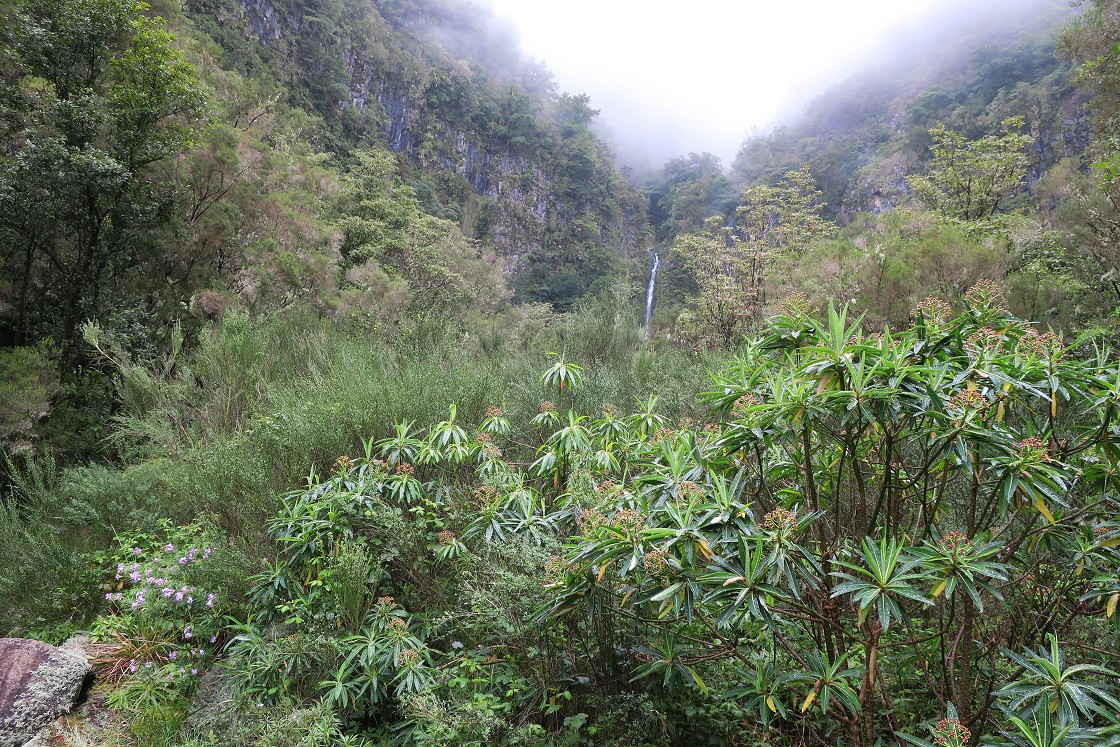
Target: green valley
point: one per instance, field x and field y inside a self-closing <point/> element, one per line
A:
<point x="353" y="392"/>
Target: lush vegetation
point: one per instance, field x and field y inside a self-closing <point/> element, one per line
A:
<point x="841" y="537"/>
<point x="324" y="403"/>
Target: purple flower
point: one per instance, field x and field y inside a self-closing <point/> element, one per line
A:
<point x="210" y="599"/>
<point x="169" y="548"/>
<point x="173" y="655"/>
<point x="213" y="639"/>
<point x="187" y="632"/>
<point x="136" y="551"/>
<point x="182" y="561"/>
<point x="147" y="665"/>
<point x="190" y="600"/>
<point x="109" y="596"/>
<point x="206" y="553"/>
<point x="179" y="596"/>
<point x="167" y="592"/>
<point x="194" y="671"/>
<point x="135" y="577"/>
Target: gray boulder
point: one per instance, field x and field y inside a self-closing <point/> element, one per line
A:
<point x="38" y="683"/>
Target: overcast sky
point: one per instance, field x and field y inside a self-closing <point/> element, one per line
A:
<point x="697" y="75"/>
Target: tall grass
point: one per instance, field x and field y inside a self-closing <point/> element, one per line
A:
<point x="348" y="387"/>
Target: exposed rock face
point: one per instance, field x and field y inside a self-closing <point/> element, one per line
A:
<point x="265" y="21"/>
<point x="38" y="683"/>
<point x="1065" y="135"/>
<point x="406" y="77"/>
<point x="522" y="193"/>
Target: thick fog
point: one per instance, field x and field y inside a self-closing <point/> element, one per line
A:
<point x="670" y="78"/>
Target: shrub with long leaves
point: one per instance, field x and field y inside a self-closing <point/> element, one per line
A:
<point x="906" y="506"/>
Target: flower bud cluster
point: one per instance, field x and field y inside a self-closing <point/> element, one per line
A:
<point x="688" y="489"/>
<point x="589" y="520"/>
<point x="778" y="520"/>
<point x="1033" y="446"/>
<point x="628" y="519"/>
<point x="555" y="569"/>
<point x="969" y="399"/>
<point x="984" y="340"/>
<point x="655" y="561"/>
<point x="986" y="294"/>
<point x="950" y="732"/>
<point x="743" y="403"/>
<point x="1046" y="345"/>
<point x="795" y="304"/>
<point x="933" y="309"/>
<point x="485" y="495"/>
<point x="955" y="543"/>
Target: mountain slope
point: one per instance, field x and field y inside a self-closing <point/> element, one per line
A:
<point x="865" y="135"/>
<point x="490" y="141"/>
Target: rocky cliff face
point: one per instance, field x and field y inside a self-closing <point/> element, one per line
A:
<point x="521" y="193"/>
<point x="1064" y="136"/>
<point x="1063" y="131"/>
<point x="266" y="21"/>
<point x="517" y="205"/>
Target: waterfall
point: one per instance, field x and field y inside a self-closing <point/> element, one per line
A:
<point x="652" y="283"/>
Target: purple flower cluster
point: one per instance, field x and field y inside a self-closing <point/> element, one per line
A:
<point x="157" y="578"/>
<point x="173" y="671"/>
<point x="155" y="584"/>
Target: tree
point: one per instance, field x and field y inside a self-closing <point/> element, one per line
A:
<point x="969" y="179"/>
<point x="731" y="261"/>
<point x="1091" y="42"/>
<point x="691" y="189"/>
<point x="1092" y="214"/>
<point x="394" y="255"/>
<point x="872" y="534"/>
<point x="95" y="97"/>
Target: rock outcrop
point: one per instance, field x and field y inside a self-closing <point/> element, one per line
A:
<point x="38" y="683"/>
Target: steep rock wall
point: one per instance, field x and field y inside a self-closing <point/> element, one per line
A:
<point x="517" y="204"/>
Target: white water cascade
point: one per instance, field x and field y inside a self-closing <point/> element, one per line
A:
<point x="652" y="283"/>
